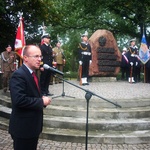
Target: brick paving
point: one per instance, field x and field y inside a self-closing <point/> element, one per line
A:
<point x="6" y="144"/>
<point x="110" y="90"/>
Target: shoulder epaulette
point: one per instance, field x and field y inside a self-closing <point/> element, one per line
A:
<point x="80" y="46"/>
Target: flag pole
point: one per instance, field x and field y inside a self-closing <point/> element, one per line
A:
<point x="21" y="62"/>
<point x="144" y="53"/>
<point x="20" y="39"/>
<point x="20" y="19"/>
<point x="144" y="74"/>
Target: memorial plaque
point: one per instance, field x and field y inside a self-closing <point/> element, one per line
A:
<point x="106" y="56"/>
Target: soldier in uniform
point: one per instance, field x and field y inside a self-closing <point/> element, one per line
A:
<point x="8" y="59"/>
<point x="85" y="58"/>
<point x="124" y="65"/>
<point x="59" y="58"/>
<point x="131" y="55"/>
<point x="147" y="71"/>
<point x="47" y="59"/>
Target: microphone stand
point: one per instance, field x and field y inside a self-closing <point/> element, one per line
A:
<point x="88" y="95"/>
<point x="63" y="92"/>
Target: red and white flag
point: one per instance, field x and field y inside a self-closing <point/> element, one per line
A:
<point x="20" y="38"/>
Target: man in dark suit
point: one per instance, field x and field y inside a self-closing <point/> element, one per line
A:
<point x="47" y="59"/>
<point x="26" y="118"/>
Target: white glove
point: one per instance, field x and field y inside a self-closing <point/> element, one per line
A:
<point x="131" y="63"/>
<point x="136" y="63"/>
<point x="136" y="46"/>
<point x="80" y="62"/>
<point x="90" y="61"/>
<point x="132" y="55"/>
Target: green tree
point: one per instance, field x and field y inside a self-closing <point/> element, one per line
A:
<point x="69" y="18"/>
<point x="34" y="13"/>
<point x="124" y="19"/>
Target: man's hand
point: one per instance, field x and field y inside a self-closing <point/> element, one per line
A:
<point x="80" y="62"/>
<point x="41" y="69"/>
<point x="131" y="63"/>
<point x="46" y="100"/>
<point x="90" y="62"/>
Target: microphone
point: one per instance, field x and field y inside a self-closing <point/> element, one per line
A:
<point x="52" y="69"/>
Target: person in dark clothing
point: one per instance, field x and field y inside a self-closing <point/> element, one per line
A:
<point x="138" y="65"/>
<point x="26" y="119"/>
<point x="124" y="65"/>
<point x="147" y="70"/>
<point x="85" y="58"/>
<point x="47" y="59"/>
<point x="131" y="55"/>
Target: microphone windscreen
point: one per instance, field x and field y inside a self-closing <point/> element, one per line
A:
<point x="46" y="66"/>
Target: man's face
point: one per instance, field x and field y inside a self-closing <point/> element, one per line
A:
<point x="8" y="49"/>
<point x="33" y="58"/>
<point x="85" y="38"/>
<point x="133" y="43"/>
<point x="58" y="44"/>
<point x="47" y="40"/>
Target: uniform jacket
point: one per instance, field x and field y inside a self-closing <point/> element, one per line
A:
<point x="84" y="52"/>
<point x="7" y="61"/>
<point x="124" y="61"/>
<point x="132" y="51"/>
<point x="148" y="64"/>
<point x="26" y="119"/>
<point x="59" y="56"/>
<point x="47" y="54"/>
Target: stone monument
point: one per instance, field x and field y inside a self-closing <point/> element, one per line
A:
<point x="106" y="56"/>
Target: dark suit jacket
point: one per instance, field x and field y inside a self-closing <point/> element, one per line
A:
<point x="26" y="119"/>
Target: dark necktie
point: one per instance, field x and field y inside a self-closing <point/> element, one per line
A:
<point x="36" y="80"/>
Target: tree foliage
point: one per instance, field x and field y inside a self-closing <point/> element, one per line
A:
<point x="34" y="12"/>
<point x="124" y="19"/>
<point x="67" y="19"/>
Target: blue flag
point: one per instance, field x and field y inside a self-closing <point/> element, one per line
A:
<point x="144" y="51"/>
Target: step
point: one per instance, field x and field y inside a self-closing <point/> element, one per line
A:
<point x="97" y="124"/>
<point x="5" y="101"/>
<point x="105" y="137"/>
<point x="94" y="103"/>
<point x="107" y="113"/>
<point x="4" y="123"/>
<point x="79" y="136"/>
<point x="64" y="122"/>
<point x="98" y="103"/>
<point x="103" y="113"/>
<point x="5" y="111"/>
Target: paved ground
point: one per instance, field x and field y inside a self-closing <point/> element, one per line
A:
<point x="109" y="90"/>
<point x="6" y="144"/>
